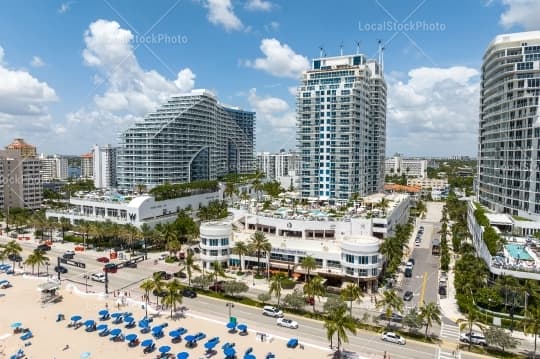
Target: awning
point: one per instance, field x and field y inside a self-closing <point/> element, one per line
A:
<point x="48" y="286"/>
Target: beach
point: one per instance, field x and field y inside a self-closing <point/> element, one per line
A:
<point x="55" y="340"/>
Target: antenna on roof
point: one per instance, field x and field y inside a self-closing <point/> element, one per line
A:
<point x="321" y="51"/>
<point x="341" y="49"/>
<point x="357" y="47"/>
<point x="381" y="56"/>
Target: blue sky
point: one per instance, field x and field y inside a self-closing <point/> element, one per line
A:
<point x="75" y="73"/>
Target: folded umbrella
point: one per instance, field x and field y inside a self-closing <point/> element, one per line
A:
<point x="131" y="337"/>
<point x="164" y="349"/>
<point x="89" y="323"/>
<point x="76" y="318"/>
<point x="115" y="332"/>
<point x="101" y="327"/>
<point x="103" y="312"/>
<point x="231" y="325"/>
<point x="147" y="343"/>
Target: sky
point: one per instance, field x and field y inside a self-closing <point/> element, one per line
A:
<point x="77" y="73"/>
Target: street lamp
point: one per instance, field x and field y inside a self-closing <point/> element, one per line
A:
<point x="47" y="265"/>
<point x="230" y="306"/>
<point x="86" y="283"/>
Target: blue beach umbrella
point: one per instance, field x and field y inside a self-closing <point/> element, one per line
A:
<point x="231" y="325"/>
<point x="182" y="355"/>
<point x="174" y="334"/>
<point x="229" y="351"/>
<point x="164" y="349"/>
<point x="129" y="319"/>
<point x="210" y="345"/>
<point x="76" y="318"/>
<point x="103" y="312"/>
<point x="131" y="337"/>
<point x="102" y="327"/>
<point x="147" y="342"/>
<point x="189" y="338"/>
<point x="157" y="329"/>
<point x="144" y="323"/>
<point x="249" y="356"/>
<point x="86" y="355"/>
<point x="116" y="315"/>
<point x="89" y="323"/>
<point x="115" y="332"/>
<point x="242" y="327"/>
<point x="16" y="324"/>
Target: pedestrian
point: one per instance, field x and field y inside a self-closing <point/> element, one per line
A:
<point x="106" y="305"/>
<point x="384" y="356"/>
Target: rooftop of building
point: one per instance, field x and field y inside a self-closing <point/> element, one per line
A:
<point x="514" y="37"/>
<point x="87" y="155"/>
<point x="401" y="188"/>
<point x="19" y="143"/>
<point x="105" y="196"/>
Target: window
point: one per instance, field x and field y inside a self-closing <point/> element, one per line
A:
<point x="214" y="253"/>
<point x="203" y="241"/>
<point x="213" y="242"/>
<point x="374" y="272"/>
<point x="375" y="259"/>
<point x="349" y="258"/>
<point x="362" y="272"/>
<point x="224" y="252"/>
<point x="363" y="259"/>
<point x="349" y="271"/>
<point x="224" y="241"/>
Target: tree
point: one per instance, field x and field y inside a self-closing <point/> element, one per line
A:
<point x="40" y="259"/>
<point x="315" y="288"/>
<point x="65" y="225"/>
<point x="230" y="190"/>
<point x="158" y="285"/>
<point x="13" y="249"/>
<point x="218" y="271"/>
<point x="471" y="320"/>
<point x="259" y="244"/>
<point x="391" y="303"/>
<point x="31" y="261"/>
<point x="84" y="227"/>
<point x="264" y="297"/>
<point x="308" y="263"/>
<point x="147" y="235"/>
<point x="276" y="285"/>
<point x="202" y="281"/>
<point x="174" y="295"/>
<point x="413" y="320"/>
<point x="499" y="337"/>
<point x="241" y="249"/>
<point x="333" y="303"/>
<point x="531" y="323"/>
<point x="294" y="300"/>
<point x="430" y="313"/>
<point x="338" y="322"/>
<point x="190" y="266"/>
<point x="351" y="293"/>
<point x="147" y="286"/>
<point x="233" y="287"/>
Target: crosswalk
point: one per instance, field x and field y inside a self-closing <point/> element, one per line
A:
<point x="448" y="354"/>
<point x="449" y="331"/>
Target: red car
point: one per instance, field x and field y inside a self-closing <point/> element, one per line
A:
<point x="103" y="259"/>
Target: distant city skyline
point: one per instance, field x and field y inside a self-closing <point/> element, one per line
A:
<point x="85" y="71"/>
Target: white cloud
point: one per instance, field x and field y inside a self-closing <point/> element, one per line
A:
<point x="521" y="13"/>
<point x="434" y="108"/>
<point x="64" y="7"/>
<point x="258" y="5"/>
<point x="273" y="26"/>
<point x="221" y="12"/>
<point x="23" y="103"/>
<point x="276" y="121"/>
<point x="185" y="80"/>
<point x="37" y="62"/>
<point x="280" y="60"/>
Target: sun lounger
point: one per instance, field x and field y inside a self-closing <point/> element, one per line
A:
<point x="270" y="356"/>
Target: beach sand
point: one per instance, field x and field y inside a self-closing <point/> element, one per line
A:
<point x="22" y="303"/>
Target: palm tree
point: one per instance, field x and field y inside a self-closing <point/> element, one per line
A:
<point x="174" y="295"/>
<point x="40" y="258"/>
<point x="170" y="237"/>
<point x="3" y="255"/>
<point x="383" y="205"/>
<point x="315" y="288"/>
<point x="218" y="272"/>
<point x="157" y="286"/>
<point x="31" y="261"/>
<point x="391" y="303"/>
<point x="338" y="322"/>
<point x="147" y="234"/>
<point x="430" y="313"/>
<point x="147" y="286"/>
<point x="241" y="249"/>
<point x="308" y="263"/>
<point x="84" y="227"/>
<point x="259" y="244"/>
<point x="471" y="320"/>
<point x="351" y="293"/>
<point x="190" y="266"/>
<point x="131" y="233"/>
<point x="12" y="248"/>
<point x="230" y="190"/>
<point x="276" y="285"/>
<point x="531" y="324"/>
<point x="65" y="224"/>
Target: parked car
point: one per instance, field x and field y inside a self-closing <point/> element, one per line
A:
<point x="396" y="317"/>
<point x="217" y="287"/>
<point x="475" y="338"/>
<point x="287" y="323"/>
<point x="162" y="274"/>
<point x="160" y="293"/>
<point x="408" y="272"/>
<point x="180" y="274"/>
<point x="412" y="261"/>
<point x="272" y="311"/>
<point x="131" y="264"/>
<point x="103" y="260"/>
<point x="189" y="293"/>
<point x="15" y="258"/>
<point x="110" y="268"/>
<point x="70" y="251"/>
<point x="60" y="269"/>
<point x="408" y="295"/>
<point x="98" y="277"/>
<point x="442" y="290"/>
<point x="310" y="300"/>
<point x="393" y="338"/>
<point x="68" y="256"/>
<point x="43" y="247"/>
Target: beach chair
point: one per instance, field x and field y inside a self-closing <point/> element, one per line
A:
<point x="270" y="356"/>
<point x="27" y="335"/>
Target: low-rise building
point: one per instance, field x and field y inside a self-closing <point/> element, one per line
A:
<point x="53" y="167"/>
<point x="411" y="167"/>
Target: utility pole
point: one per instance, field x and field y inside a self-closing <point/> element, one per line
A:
<point x="106" y="282"/>
<point x="58" y="264"/>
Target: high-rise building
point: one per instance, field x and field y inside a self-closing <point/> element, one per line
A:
<point x="509" y="130"/>
<point x="21" y="180"/>
<point x="87" y="165"/>
<point x="22" y="148"/>
<point x="53" y="167"/>
<point x="410" y="167"/>
<point x="341" y="107"/>
<point x="282" y="167"/>
<point x="190" y="137"/>
<point x="104" y="160"/>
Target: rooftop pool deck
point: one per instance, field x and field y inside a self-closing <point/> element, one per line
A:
<point x="518" y="251"/>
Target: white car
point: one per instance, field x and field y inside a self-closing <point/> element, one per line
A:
<point x="70" y="252"/>
<point x="98" y="277"/>
<point x="393" y="338"/>
<point x="475" y="338"/>
<point x="272" y="311"/>
<point x="287" y="323"/>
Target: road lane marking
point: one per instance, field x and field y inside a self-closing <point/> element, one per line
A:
<point x="423" y="291"/>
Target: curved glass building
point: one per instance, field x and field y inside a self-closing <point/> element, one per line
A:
<point x="191" y="137"/>
<point x="509" y="131"/>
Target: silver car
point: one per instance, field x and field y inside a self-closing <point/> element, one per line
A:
<point x="393" y="338"/>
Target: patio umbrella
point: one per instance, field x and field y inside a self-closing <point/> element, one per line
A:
<point x="116" y="315"/>
<point x="89" y="323"/>
<point x="103" y="312"/>
<point x="144" y="323"/>
<point x="129" y="319"/>
<point x="189" y="338"/>
<point x="182" y="355"/>
<point x="164" y="349"/>
<point x="174" y="334"/>
<point x="115" y="332"/>
<point x="86" y="355"/>
<point x="16" y="324"/>
<point x="229" y="351"/>
<point x="76" y="318"/>
<point x="101" y="327"/>
<point x="147" y="342"/>
<point x="210" y="345"/>
<point x="249" y="356"/>
<point x="242" y="327"/>
<point x="231" y="325"/>
<point x="131" y="337"/>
